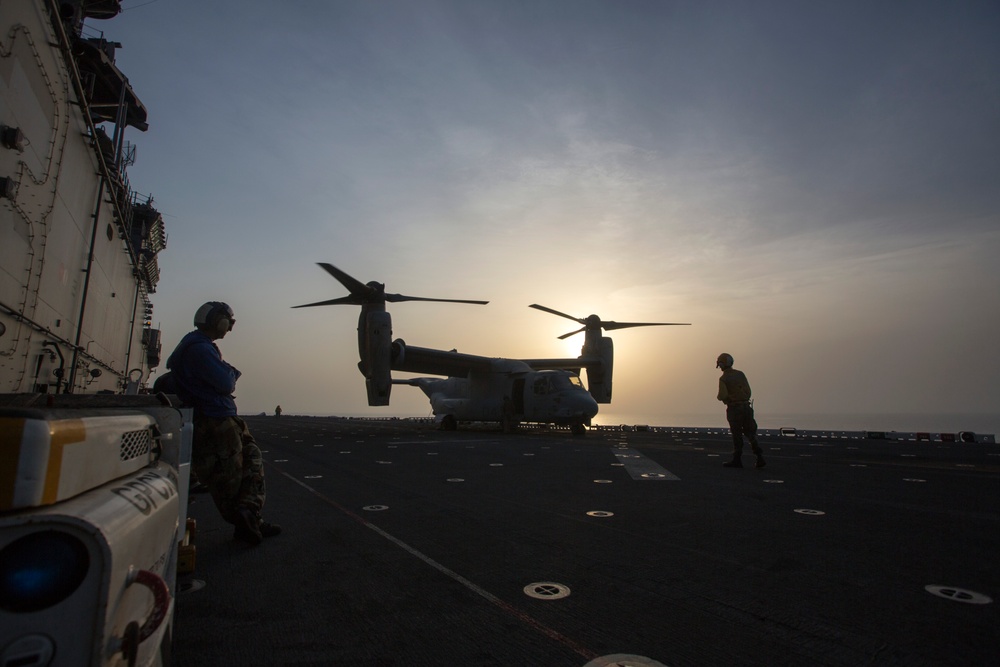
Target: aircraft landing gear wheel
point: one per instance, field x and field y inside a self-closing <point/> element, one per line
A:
<point x="449" y="423"/>
<point x="578" y="429"/>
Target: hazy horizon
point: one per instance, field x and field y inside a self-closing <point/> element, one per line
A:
<point x="979" y="423"/>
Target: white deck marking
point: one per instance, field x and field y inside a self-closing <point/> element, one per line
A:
<point x="641" y="468"/>
<point x="579" y="649"/>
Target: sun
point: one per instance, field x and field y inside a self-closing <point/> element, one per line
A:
<point x="572" y="346"/>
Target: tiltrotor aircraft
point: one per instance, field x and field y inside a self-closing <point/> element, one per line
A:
<point x="476" y="388"/>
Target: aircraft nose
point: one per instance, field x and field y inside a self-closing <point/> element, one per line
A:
<point x="586" y="405"/>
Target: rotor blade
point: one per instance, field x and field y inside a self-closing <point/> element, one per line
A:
<point x="353" y="285"/>
<point x="395" y="298"/>
<point x="572" y="333"/>
<point x="556" y="312"/>
<point x="352" y="300"/>
<point x="611" y="326"/>
<point x="362" y="293"/>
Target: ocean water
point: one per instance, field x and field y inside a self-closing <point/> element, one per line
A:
<point x="982" y="423"/>
<point x="904" y="422"/>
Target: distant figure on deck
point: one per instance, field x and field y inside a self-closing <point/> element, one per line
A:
<point x="277" y="411"/>
<point x="507" y="415"/>
<point x="225" y="456"/>
<point x="734" y="391"/>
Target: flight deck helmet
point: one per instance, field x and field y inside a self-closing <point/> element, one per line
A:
<point x="724" y="361"/>
<point x="215" y="317"/>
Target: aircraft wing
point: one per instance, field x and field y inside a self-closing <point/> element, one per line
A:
<point x="562" y="364"/>
<point x="437" y="362"/>
<point x="426" y="385"/>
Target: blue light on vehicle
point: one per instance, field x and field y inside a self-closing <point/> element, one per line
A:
<point x="40" y="570"/>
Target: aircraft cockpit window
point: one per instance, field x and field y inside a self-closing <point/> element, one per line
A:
<point x="562" y="382"/>
<point x="541" y="386"/>
<point x="576" y="381"/>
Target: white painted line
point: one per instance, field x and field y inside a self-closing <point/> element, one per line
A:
<point x="543" y="629"/>
<point x="624" y="660"/>
<point x="432" y="442"/>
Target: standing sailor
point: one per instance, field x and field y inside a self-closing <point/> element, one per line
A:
<point x="734" y="392"/>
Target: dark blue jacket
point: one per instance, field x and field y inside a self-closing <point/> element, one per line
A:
<point x="204" y="380"/>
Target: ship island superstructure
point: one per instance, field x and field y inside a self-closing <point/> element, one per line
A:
<point x="78" y="245"/>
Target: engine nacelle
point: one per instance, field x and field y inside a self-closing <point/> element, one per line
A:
<point x="378" y="357"/>
<point x="398" y="352"/>
<point x="599" y="377"/>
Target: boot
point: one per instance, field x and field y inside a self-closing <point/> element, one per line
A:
<point x="737" y="462"/>
<point x="247" y="527"/>
<point x="760" y="461"/>
<point x="269" y="529"/>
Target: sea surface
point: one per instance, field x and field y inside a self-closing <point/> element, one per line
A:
<point x="982" y="423"/>
<point x="904" y="422"/>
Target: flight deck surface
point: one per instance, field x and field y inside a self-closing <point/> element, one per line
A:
<point x="405" y="545"/>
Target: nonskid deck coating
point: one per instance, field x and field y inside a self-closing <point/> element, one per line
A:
<point x="719" y="566"/>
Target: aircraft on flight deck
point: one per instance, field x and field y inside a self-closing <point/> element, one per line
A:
<point x="476" y="388"/>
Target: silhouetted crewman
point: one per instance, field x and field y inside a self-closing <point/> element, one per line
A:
<point x="734" y="391"/>
<point x="224" y="456"/>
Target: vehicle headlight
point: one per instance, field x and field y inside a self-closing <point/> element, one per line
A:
<point x="40" y="570"/>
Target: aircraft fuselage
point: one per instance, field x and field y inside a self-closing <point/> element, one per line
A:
<point x="547" y="396"/>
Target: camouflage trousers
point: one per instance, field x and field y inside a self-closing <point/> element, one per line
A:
<point x="226" y="459"/>
<point x="742" y="422"/>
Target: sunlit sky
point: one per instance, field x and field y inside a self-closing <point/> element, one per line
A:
<point x="814" y="186"/>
